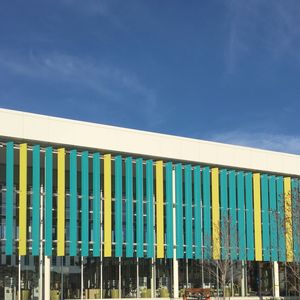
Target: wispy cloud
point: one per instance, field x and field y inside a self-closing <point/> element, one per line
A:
<point x="116" y="87"/>
<point x="257" y="26"/>
<point x="263" y="140"/>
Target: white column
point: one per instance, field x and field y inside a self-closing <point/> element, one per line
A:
<point x="243" y="279"/>
<point x="276" y="279"/>
<point x="120" y="278"/>
<point x="137" y="279"/>
<point x="47" y="277"/>
<point x="41" y="245"/>
<point x="81" y="278"/>
<point x="19" y="278"/>
<point x="175" y="261"/>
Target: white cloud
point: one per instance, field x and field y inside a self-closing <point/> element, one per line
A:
<point x="263" y="140"/>
<point x="114" y="86"/>
<point x="256" y="26"/>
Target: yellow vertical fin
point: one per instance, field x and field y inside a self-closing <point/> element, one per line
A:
<point x="107" y="205"/>
<point x="288" y="219"/>
<point x="159" y="209"/>
<point x="61" y="202"/>
<point x="23" y="200"/>
<point x="215" y="213"/>
<point x="257" y="216"/>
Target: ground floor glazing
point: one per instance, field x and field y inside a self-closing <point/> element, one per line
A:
<point x="92" y="277"/>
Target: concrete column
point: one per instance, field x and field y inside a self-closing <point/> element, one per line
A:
<point x="243" y="278"/>
<point x="153" y="278"/>
<point x="137" y="279"/>
<point x="19" y="278"/>
<point x="81" y="277"/>
<point x="47" y="269"/>
<point x="276" y="279"/>
<point x="175" y="261"/>
<point x="41" y="245"/>
<point x="120" y="278"/>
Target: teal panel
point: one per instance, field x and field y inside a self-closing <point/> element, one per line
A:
<point x="169" y="210"/>
<point x="273" y="218"/>
<point x="96" y="204"/>
<point x="9" y="198"/>
<point x="249" y="217"/>
<point x="73" y="203"/>
<point x="232" y="215"/>
<point x="207" y="212"/>
<point x="265" y="217"/>
<point x="118" y="205"/>
<point x="198" y="213"/>
<point x="36" y="200"/>
<point x="85" y="203"/>
<point x="188" y="211"/>
<point x="129" y="207"/>
<point x="296" y="221"/>
<point x="224" y="214"/>
<point x="179" y="213"/>
<point x="149" y="217"/>
<point x="139" y="208"/>
<point x="48" y="200"/>
<point x="241" y="215"/>
<point x="281" y="218"/>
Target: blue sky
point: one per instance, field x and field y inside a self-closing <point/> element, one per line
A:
<point x="225" y="71"/>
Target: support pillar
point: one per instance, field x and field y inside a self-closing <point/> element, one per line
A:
<point x="47" y="269"/>
<point x="41" y="244"/>
<point x="19" y="277"/>
<point x="243" y="279"/>
<point x="276" y="280"/>
<point x="175" y="261"/>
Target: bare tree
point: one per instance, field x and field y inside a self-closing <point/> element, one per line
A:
<point x="289" y="224"/>
<point x="221" y="270"/>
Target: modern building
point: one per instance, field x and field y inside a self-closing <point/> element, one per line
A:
<point x="93" y="211"/>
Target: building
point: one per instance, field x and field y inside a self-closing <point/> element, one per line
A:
<point x="95" y="211"/>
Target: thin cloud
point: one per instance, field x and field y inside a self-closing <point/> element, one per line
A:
<point x="257" y="26"/>
<point x="115" y="86"/>
<point x="267" y="141"/>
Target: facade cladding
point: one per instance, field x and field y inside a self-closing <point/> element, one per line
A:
<point x="81" y="223"/>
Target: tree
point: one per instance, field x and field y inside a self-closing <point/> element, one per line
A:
<point x="222" y="269"/>
<point x="289" y="225"/>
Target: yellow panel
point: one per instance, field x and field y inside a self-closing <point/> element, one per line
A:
<point x="159" y="210"/>
<point x="215" y="212"/>
<point x="257" y="216"/>
<point x="61" y="202"/>
<point x="107" y="205"/>
<point x="23" y="200"/>
<point x="288" y="219"/>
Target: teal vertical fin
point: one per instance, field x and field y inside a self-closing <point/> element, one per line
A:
<point x="273" y="218"/>
<point x="207" y="212"/>
<point x="232" y="214"/>
<point x="9" y="198"/>
<point x="96" y="204"/>
<point x="85" y="203"/>
<point x="36" y="200"/>
<point x="129" y="207"/>
<point x="188" y="211"/>
<point x="179" y="213"/>
<point x="198" y="213"/>
<point x="149" y="217"/>
<point x="169" y="209"/>
<point x="48" y="200"/>
<point x="118" y="205"/>
<point x="281" y="218"/>
<point x="265" y="217"/>
<point x="73" y="203"/>
<point x="139" y="208"/>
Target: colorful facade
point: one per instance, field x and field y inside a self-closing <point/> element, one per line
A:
<point x="89" y="220"/>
